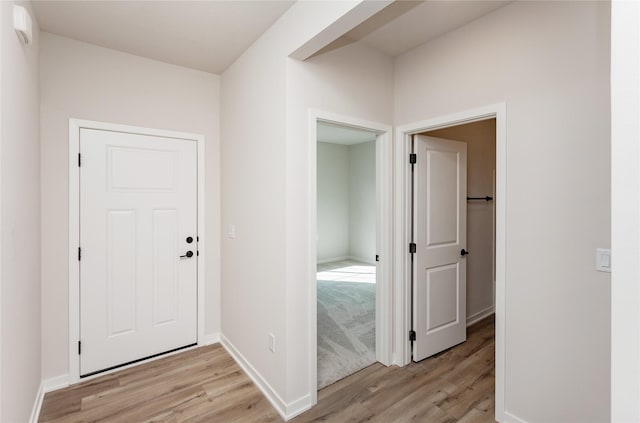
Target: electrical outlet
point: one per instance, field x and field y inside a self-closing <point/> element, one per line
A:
<point x="603" y="260"/>
<point x="272" y="342"/>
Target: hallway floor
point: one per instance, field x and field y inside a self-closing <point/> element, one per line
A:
<point x="206" y="385"/>
<point x="456" y="385"/>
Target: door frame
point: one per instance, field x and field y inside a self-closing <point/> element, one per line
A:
<point x="402" y="227"/>
<point x="384" y="239"/>
<point x="74" y="230"/>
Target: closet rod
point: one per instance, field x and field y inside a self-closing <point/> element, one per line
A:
<point x="487" y="198"/>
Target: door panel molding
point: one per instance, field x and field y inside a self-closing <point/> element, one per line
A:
<point x="75" y="126"/>
<point x="402" y="229"/>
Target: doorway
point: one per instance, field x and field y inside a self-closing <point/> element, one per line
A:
<point x="454" y="229"/>
<point x="136" y="211"/>
<point x="366" y="267"/>
<point x="403" y="212"/>
<point x="346" y="252"/>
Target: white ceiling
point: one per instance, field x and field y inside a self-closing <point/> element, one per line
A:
<point x="205" y="35"/>
<point x="407" y="24"/>
<point x="336" y="134"/>
<point x="209" y="35"/>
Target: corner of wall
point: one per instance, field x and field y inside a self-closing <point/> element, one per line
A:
<point x="20" y="220"/>
<point x="286" y="410"/>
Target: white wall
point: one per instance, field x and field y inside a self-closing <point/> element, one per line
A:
<point x="265" y="187"/>
<point x="346" y="202"/>
<point x="625" y="204"/>
<point x="253" y="197"/>
<point x="83" y="81"/>
<point x="20" y="221"/>
<point x="550" y="62"/>
<point x="362" y="202"/>
<point x="355" y="81"/>
<point x="481" y="165"/>
<point x="333" y="202"/>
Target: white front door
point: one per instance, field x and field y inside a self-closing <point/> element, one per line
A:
<point x="440" y="234"/>
<point x="138" y="209"/>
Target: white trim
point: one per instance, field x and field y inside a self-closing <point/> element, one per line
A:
<point x="510" y="418"/>
<point x="297" y="407"/>
<point x="210" y="339"/>
<point x="286" y="411"/>
<point x="47" y="385"/>
<point x="476" y="317"/>
<point x="363" y="260"/>
<point x="1" y="196"/>
<point x="37" y="405"/>
<point x="383" y="236"/>
<point x="74" y="218"/>
<point x="55" y="383"/>
<point x="343" y="258"/>
<point x="625" y="211"/>
<point x="498" y="111"/>
<point x="202" y="251"/>
<point x="330" y="260"/>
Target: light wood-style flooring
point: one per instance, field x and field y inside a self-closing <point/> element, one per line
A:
<point x="206" y="385"/>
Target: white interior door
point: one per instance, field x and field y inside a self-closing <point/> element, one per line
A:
<point x="439" y="282"/>
<point x="138" y="206"/>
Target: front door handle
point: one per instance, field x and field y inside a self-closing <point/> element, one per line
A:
<point x="463" y="252"/>
<point x="188" y="254"/>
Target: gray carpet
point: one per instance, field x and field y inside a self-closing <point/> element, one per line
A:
<point x="346" y="329"/>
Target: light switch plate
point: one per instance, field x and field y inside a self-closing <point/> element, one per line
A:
<point x="603" y="260"/>
<point x="272" y="342"/>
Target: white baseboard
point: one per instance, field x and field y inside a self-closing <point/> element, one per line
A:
<point x="210" y="339"/>
<point x="37" y="405"/>
<point x="298" y="407"/>
<point x="329" y="260"/>
<point x="476" y="317"/>
<point x="510" y="418"/>
<point x="395" y="360"/>
<point x="47" y="385"/>
<point x="363" y="260"/>
<point x="286" y="411"/>
<point x="343" y="258"/>
<point x="58" y="382"/>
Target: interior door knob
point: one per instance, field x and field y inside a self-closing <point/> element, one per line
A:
<point x="188" y="254"/>
<point x="463" y="252"/>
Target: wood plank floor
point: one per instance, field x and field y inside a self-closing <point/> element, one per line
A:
<point x="206" y="385"/>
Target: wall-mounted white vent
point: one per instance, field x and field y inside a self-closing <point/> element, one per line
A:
<point x="22" y="24"/>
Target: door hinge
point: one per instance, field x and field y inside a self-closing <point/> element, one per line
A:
<point x="79" y="347"/>
<point x="413" y="158"/>
<point x="79" y="160"/>
<point x="377" y="257"/>
<point x="412" y="335"/>
<point x="412" y="248"/>
<point x="79" y="253"/>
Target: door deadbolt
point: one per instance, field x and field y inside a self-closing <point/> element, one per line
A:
<point x="189" y="240"/>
